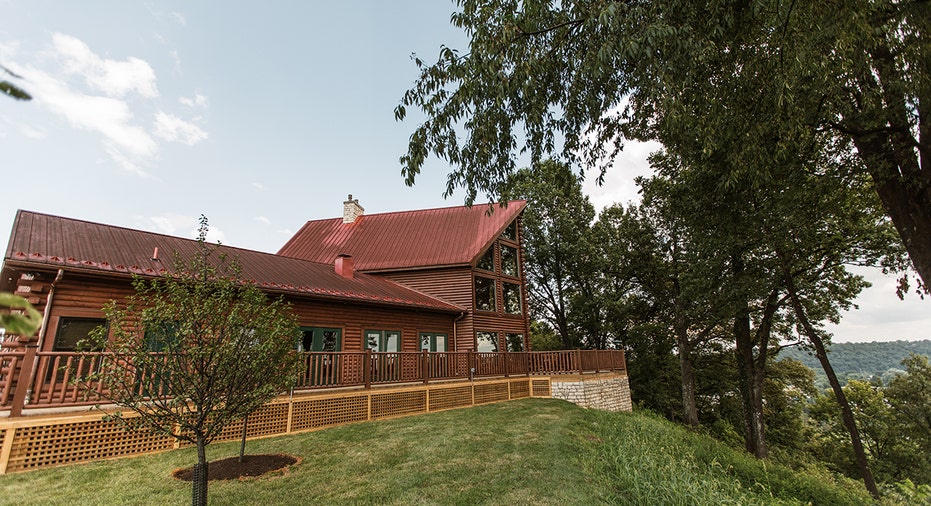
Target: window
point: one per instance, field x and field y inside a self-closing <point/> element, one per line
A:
<point x="383" y="340"/>
<point x="71" y="331"/>
<point x="511" y="295"/>
<point x="162" y="336"/>
<point x="484" y="294"/>
<point x="486" y="342"/>
<point x="432" y="342"/>
<point x="511" y="231"/>
<point x="515" y="342"/>
<point x="509" y="261"/>
<point x="487" y="262"/>
<point x="319" y="339"/>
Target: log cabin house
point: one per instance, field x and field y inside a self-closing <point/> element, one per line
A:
<point x="439" y="280"/>
<point x="429" y="306"/>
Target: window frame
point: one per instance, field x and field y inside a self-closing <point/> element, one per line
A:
<point x="63" y="320"/>
<point x="383" y="337"/>
<point x="494" y="293"/>
<point x="504" y="298"/>
<point x="516" y="258"/>
<point x="432" y="341"/>
<point x="496" y="345"/>
<point x="508" y="341"/>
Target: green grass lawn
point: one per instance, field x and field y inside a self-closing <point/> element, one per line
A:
<point x="534" y="451"/>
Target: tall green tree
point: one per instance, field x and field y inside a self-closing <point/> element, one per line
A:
<point x="578" y="78"/>
<point x="195" y="350"/>
<point x="557" y="219"/>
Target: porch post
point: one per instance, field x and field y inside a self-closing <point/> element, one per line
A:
<point x="22" y="381"/>
<point x="367" y="368"/>
<point x="425" y="366"/>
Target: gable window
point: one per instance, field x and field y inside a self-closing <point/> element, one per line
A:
<point x="511" y="295"/>
<point x="383" y="340"/>
<point x="485" y="294"/>
<point x="432" y="342"/>
<point x="487" y="262"/>
<point x="509" y="261"/>
<point x="511" y="231"/>
<point x="515" y="342"/>
<point x="486" y="342"/>
<point x="72" y="330"/>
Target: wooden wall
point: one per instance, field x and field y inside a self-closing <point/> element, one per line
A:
<point x="84" y="296"/>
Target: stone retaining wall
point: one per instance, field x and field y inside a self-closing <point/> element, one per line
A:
<point x="606" y="391"/>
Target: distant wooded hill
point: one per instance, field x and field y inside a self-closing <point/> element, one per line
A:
<point x="862" y="360"/>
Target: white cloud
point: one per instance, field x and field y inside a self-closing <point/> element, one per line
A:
<point x="179" y="18"/>
<point x="263" y="220"/>
<point x="174" y="129"/>
<point x="32" y="133"/>
<point x="113" y="78"/>
<point x="197" y="101"/>
<point x="258" y="186"/>
<point x="110" y="117"/>
<point x="286" y="231"/>
<point x="619" y="186"/>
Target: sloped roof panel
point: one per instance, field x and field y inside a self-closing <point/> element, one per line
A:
<point x="405" y="240"/>
<point x="81" y="245"/>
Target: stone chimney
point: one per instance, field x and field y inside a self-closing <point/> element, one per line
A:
<point x="343" y="264"/>
<point x="351" y="210"/>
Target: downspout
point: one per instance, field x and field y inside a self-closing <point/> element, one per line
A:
<point x="456" y="330"/>
<point x="42" y="331"/>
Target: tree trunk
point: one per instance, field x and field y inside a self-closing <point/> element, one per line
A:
<point x="751" y="391"/>
<point x="846" y="413"/>
<point x="689" y="406"/>
<point x="899" y="164"/>
<point x="242" y="444"/>
<point x="199" y="480"/>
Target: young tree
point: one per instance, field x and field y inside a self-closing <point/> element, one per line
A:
<point x="195" y="350"/>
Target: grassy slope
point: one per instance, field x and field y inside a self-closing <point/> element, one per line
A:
<point x="524" y="452"/>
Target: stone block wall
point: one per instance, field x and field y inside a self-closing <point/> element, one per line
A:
<point x="606" y="391"/>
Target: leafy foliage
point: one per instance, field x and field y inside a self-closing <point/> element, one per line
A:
<point x="25" y="321"/>
<point x="194" y="350"/>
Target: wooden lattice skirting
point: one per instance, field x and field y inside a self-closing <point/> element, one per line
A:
<point x="38" y="442"/>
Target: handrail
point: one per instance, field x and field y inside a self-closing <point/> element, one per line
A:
<point x="56" y="373"/>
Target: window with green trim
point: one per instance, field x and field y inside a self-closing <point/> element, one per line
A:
<point x="511" y="295"/>
<point x="509" y="263"/>
<point x="320" y="339"/>
<point x="485" y="294"/>
<point x="162" y="336"/>
<point x="487" y="262"/>
<point x="433" y="342"/>
<point x="486" y="342"/>
<point x="515" y="342"/>
<point x="383" y="340"/>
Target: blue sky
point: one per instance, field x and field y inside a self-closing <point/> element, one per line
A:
<point x="148" y="114"/>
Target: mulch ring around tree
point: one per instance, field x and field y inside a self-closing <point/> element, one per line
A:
<point x="251" y="466"/>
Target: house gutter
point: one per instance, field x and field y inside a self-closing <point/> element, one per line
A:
<point x="42" y="331"/>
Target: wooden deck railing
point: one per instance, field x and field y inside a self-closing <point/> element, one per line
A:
<point x="31" y="379"/>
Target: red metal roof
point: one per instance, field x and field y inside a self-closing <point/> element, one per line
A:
<point x="85" y="246"/>
<point x="407" y="239"/>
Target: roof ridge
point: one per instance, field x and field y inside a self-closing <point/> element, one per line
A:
<point x="412" y="211"/>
